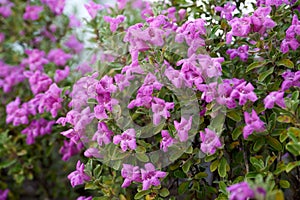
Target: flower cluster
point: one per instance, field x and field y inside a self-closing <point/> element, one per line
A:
<point x="147" y="176"/>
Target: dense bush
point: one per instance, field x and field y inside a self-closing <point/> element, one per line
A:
<point x="165" y="100"/>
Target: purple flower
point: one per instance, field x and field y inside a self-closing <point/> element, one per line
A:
<point x="103" y="134"/>
<point x="114" y="22"/>
<point x="150" y="176"/>
<point x="241" y="27"/>
<point x="224" y="94"/>
<point x="183" y="128"/>
<point x="93" y="8"/>
<point x="130" y="173"/>
<point x="274" y="97"/>
<point x="121" y="4"/>
<point x="37" y="128"/>
<point x="253" y="123"/>
<point x="78" y="177"/>
<point x="32" y="12"/>
<point x="74" y="22"/>
<point x="39" y="81"/>
<point x="61" y="74"/>
<point x="57" y="6"/>
<point x="84" y="198"/>
<point x="50" y="100"/>
<point x="126" y="139"/>
<point x="210" y="141"/>
<point x="182" y="14"/>
<point x="210" y="67"/>
<point x="123" y="80"/>
<point x="175" y="76"/>
<point x="290" y="40"/>
<point x="244" y="92"/>
<point x="74" y="44"/>
<point x="15" y="114"/>
<point x="226" y="11"/>
<point x="160" y="109"/>
<point x="5" y="8"/>
<point x="92" y="152"/>
<point x="260" y="20"/>
<point x="209" y="91"/>
<point x="2" y="37"/>
<point x="290" y="79"/>
<point x="3" y="194"/>
<point x="59" y="57"/>
<point x="240" y="191"/>
<point x="10" y="76"/>
<point x="276" y="3"/>
<point x="241" y="52"/>
<point x="36" y="59"/>
<point x="69" y="149"/>
<point x="166" y="141"/>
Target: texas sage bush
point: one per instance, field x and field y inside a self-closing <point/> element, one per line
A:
<point x="168" y="100"/>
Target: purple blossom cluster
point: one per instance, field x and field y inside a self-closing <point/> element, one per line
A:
<point x="78" y="177"/>
<point x="290" y="41"/>
<point x="243" y="191"/>
<point x="148" y="175"/>
<point x="259" y="22"/>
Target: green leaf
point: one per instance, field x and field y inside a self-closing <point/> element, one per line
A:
<point x="214" y="165"/>
<point x="141" y="194"/>
<point x="284" y="184"/>
<point x="285" y="62"/>
<point x="179" y="174"/>
<point x="142" y="157"/>
<point x="291" y="166"/>
<point x="259" y="143"/>
<point x="294" y="148"/>
<point x="186" y="166"/>
<point x="200" y="175"/>
<point x="254" y="66"/>
<point x="164" y="192"/>
<point x="183" y="187"/>
<point x="265" y="74"/>
<point x="274" y="143"/>
<point x="7" y="163"/>
<point x="234" y="115"/>
<point x="222" y="167"/>
<point x="237" y="132"/>
<point x="284" y="119"/>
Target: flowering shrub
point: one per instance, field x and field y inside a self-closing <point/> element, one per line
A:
<point x="176" y="100"/>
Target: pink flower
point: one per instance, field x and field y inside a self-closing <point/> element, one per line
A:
<point x="240" y="191"/>
<point x="74" y="22"/>
<point x="50" y="100"/>
<point x="74" y="44"/>
<point x="274" y="97"/>
<point x="93" y="8"/>
<point x="244" y="92"/>
<point x="103" y="134"/>
<point x="84" y="198"/>
<point x="160" y="109"/>
<point x="36" y="60"/>
<point x="5" y="8"/>
<point x="291" y="79"/>
<point x="59" y="57"/>
<point x="241" y="52"/>
<point x="130" y="173"/>
<point x="39" y="81"/>
<point x="32" y="12"/>
<point x="253" y="123"/>
<point x="150" y="176"/>
<point x="61" y="74"/>
<point x="56" y="6"/>
<point x="126" y="139"/>
<point x="114" y="22"/>
<point x="210" y="141"/>
<point x="37" y="128"/>
<point x="183" y="128"/>
<point x="16" y="114"/>
<point x="3" y="194"/>
<point x="92" y="152"/>
<point x="166" y="141"/>
<point x="226" y="11"/>
<point x="69" y="149"/>
<point x="78" y="177"/>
